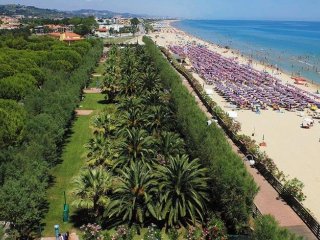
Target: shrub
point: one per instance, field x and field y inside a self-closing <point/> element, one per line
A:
<point x="153" y="233"/>
<point x="123" y="233"/>
<point x="293" y="187"/>
<point x="266" y="227"/>
<point x="91" y="232"/>
<point x="173" y="234"/>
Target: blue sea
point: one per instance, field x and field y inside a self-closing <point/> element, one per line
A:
<point x="291" y="46"/>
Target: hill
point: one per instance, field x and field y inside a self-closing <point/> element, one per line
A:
<point x="103" y="13"/>
<point x="17" y="9"/>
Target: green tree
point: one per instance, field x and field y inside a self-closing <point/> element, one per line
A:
<point x="17" y="87"/>
<point x="91" y="189"/>
<point x="106" y="124"/>
<point x="183" y="187"/>
<point x="22" y="203"/>
<point x="102" y="151"/>
<point x="137" y="145"/>
<point x="169" y="145"/>
<point x="158" y="118"/>
<point x="133" y="196"/>
<point x="12" y="122"/>
<point x="134" y="24"/>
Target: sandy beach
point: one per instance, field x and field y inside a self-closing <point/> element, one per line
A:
<point x="295" y="150"/>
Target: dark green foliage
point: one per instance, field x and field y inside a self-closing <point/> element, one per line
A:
<point x="12" y="122"/>
<point x="33" y="129"/>
<point x="153" y="233"/>
<point x="183" y="186"/>
<point x="230" y="183"/>
<point x="16" y="87"/>
<point x="267" y="228"/>
<point x="22" y="203"/>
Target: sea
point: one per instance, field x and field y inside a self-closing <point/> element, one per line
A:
<point x="292" y="46"/>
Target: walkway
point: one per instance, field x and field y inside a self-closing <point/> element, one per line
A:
<point x="267" y="199"/>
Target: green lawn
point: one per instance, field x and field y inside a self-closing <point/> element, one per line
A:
<point x="100" y="69"/>
<point x="93" y="101"/>
<point x="73" y="158"/>
<point x="117" y="40"/>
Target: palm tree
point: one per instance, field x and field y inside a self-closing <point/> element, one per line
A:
<point x="169" y="144"/>
<point x="135" y="117"/>
<point x="91" y="188"/>
<point x="110" y="87"/>
<point x="183" y="186"/>
<point x="133" y="197"/>
<point x="106" y="124"/>
<point x="131" y="103"/>
<point x="137" y="145"/>
<point x="151" y="80"/>
<point x="158" y="118"/>
<point x="102" y="151"/>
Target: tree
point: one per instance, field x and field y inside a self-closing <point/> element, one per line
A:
<point x="22" y="203"/>
<point x="133" y="197"/>
<point x="137" y="145"/>
<point x="111" y="31"/>
<point x="106" y="124"/>
<point x="134" y="24"/>
<point x="169" y="145"/>
<point x="6" y="70"/>
<point x="17" y="87"/>
<point x="183" y="186"/>
<point x="157" y="118"/>
<point x="12" y="122"/>
<point x="151" y="80"/>
<point x="102" y="151"/>
<point x="91" y="189"/>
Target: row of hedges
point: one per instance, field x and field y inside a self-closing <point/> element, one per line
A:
<point x="232" y="189"/>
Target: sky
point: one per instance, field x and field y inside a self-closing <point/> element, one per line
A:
<point x="194" y="9"/>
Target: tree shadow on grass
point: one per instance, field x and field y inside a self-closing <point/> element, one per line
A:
<point x="104" y="102"/>
<point x="81" y="217"/>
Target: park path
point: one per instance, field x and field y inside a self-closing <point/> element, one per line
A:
<point x="267" y="200"/>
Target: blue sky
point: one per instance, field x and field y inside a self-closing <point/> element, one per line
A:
<point x="196" y="9"/>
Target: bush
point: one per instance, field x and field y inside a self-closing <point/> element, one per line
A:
<point x="293" y="187"/>
<point x="173" y="234"/>
<point x="153" y="233"/>
<point x="91" y="232"/>
<point x="123" y="233"/>
<point x="266" y="227"/>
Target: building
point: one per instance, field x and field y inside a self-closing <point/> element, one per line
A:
<point x="66" y="36"/>
<point x="9" y="22"/>
<point x="59" y="28"/>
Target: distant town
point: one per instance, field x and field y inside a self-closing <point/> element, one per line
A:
<point x="74" y="28"/>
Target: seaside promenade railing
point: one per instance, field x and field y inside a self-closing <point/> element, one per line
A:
<point x="300" y="210"/>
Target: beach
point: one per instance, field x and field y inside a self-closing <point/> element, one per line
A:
<point x="295" y="150"/>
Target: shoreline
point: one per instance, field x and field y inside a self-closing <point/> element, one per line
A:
<point x="271" y="69"/>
